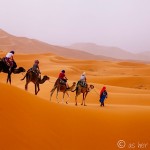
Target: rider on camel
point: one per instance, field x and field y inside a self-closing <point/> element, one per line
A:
<point x="63" y="77"/>
<point x="36" y="68"/>
<point x="9" y="59"/>
<point x="83" y="77"/>
<point x="82" y="80"/>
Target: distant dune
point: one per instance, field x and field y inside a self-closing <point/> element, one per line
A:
<point x="77" y="51"/>
<point x="32" y="46"/>
<point x="113" y="52"/>
<point x="145" y="55"/>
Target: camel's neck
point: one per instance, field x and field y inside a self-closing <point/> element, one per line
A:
<point x="42" y="81"/>
<point x="16" y="71"/>
<point x="72" y="87"/>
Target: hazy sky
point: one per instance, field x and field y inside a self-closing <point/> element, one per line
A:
<point x="120" y="23"/>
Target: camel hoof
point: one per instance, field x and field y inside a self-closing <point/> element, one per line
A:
<point x="85" y="105"/>
<point x="75" y="104"/>
<point x="66" y="102"/>
<point x="81" y="103"/>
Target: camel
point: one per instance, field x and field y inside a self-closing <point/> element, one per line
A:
<point x="33" y="77"/>
<point x="85" y="90"/>
<point x="5" y="68"/>
<point x="61" y="88"/>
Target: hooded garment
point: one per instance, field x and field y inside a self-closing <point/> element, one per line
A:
<point x="83" y="78"/>
<point x="102" y="90"/>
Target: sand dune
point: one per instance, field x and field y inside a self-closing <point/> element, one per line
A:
<point x="31" y="122"/>
<point x="115" y="74"/>
<point x="25" y="45"/>
<point x="113" y="52"/>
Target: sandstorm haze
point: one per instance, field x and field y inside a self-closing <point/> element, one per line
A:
<point x="124" y="24"/>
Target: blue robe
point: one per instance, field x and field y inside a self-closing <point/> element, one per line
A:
<point x="103" y="96"/>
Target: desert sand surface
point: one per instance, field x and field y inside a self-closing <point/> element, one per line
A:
<point x="30" y="122"/>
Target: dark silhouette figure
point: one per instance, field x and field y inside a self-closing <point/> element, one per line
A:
<point x="6" y="69"/>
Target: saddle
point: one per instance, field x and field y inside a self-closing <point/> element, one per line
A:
<point x="34" y="71"/>
<point x="6" y="61"/>
<point x="62" y="82"/>
<point x="82" y="83"/>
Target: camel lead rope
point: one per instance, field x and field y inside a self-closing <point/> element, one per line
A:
<point x="96" y="92"/>
<point x="22" y="73"/>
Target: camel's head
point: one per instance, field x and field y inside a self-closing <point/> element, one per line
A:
<point x="46" y="77"/>
<point x="21" y="69"/>
<point x="74" y="83"/>
<point x="18" y="70"/>
<point x="91" y="86"/>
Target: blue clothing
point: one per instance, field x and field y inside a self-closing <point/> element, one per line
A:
<point x="103" y="96"/>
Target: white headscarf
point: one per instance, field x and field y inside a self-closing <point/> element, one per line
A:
<point x="83" y="73"/>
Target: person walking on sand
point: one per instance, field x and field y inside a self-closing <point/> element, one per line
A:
<point x="103" y="96"/>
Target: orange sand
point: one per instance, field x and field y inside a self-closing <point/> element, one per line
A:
<point x="31" y="122"/>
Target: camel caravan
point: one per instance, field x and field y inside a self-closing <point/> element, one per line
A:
<point x="62" y="86"/>
<point x="9" y="66"/>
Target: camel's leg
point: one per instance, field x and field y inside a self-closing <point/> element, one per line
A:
<point x="52" y="92"/>
<point x="9" y="78"/>
<point x="26" y="86"/>
<point x="57" y="94"/>
<point x="76" y="98"/>
<point x="85" y="98"/>
<point x="27" y="82"/>
<point x="63" y="97"/>
<point x="37" y="88"/>
<point x="68" y="97"/>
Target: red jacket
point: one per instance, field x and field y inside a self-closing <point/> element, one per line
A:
<point x="61" y="75"/>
